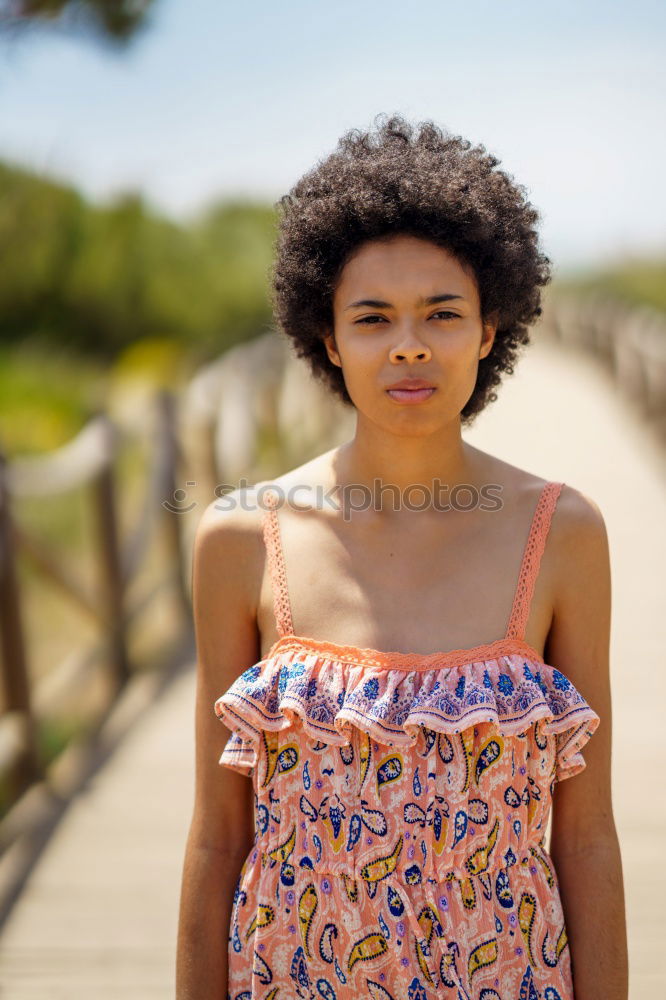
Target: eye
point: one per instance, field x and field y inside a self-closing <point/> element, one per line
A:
<point x="369" y="320"/>
<point x="446" y="313"/>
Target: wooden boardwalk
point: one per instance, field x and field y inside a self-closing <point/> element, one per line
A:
<point x="99" y="915"/>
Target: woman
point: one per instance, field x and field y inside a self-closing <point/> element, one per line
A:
<point x="408" y="740"/>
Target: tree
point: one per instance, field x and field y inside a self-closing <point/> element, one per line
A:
<point x="112" y="21"/>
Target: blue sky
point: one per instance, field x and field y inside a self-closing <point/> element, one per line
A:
<point x="217" y="98"/>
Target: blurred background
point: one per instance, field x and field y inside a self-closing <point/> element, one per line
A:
<point x="143" y="144"/>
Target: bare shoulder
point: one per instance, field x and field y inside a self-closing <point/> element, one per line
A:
<point x="579" y="542"/>
<point x="304" y="487"/>
<point x="236" y="513"/>
<point x="229" y="550"/>
<point x="577" y="537"/>
<point x="578" y="510"/>
<point x="227" y="542"/>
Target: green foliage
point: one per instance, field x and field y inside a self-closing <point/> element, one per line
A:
<point x="638" y="280"/>
<point x="95" y="279"/>
<point x="45" y="396"/>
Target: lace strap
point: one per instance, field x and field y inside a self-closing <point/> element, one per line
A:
<point x="529" y="569"/>
<point x="276" y="566"/>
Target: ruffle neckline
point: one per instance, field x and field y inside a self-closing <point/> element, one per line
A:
<point x="299" y="685"/>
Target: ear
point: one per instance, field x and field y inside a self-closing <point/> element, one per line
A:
<point x="490" y="325"/>
<point x="331" y="349"/>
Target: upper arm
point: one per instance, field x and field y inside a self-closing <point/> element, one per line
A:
<point x="225" y="582"/>
<point x="578" y="645"/>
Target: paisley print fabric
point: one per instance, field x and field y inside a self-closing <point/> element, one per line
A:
<point x="400" y="820"/>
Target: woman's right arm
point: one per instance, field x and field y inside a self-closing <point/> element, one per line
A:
<point x="224" y="597"/>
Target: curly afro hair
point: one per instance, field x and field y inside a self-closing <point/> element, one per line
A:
<point x="420" y="181"/>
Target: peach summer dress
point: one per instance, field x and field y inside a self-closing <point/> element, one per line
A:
<point x="401" y="803"/>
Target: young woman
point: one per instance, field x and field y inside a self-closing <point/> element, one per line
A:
<point x="406" y="639"/>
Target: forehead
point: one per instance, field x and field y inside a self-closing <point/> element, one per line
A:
<point x="404" y="264"/>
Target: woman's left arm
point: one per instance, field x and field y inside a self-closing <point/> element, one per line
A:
<point x="584" y="843"/>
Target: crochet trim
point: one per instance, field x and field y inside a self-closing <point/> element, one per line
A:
<point x="276" y="567"/>
<point x="394" y="660"/>
<point x="531" y="561"/>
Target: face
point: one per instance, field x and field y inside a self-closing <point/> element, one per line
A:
<point x="406" y="308"/>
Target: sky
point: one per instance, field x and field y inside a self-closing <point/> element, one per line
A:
<point x="217" y="99"/>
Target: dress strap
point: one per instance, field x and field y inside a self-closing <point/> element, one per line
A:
<point x="529" y="569"/>
<point x="276" y="566"/>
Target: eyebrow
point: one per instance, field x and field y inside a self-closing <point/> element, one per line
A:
<point x="380" y="304"/>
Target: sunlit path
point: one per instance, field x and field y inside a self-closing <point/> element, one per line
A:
<point x="99" y="916"/>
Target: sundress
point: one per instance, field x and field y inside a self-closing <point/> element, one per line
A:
<point x="401" y="803"/>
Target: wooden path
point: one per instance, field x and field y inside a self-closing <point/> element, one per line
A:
<point x="98" y="917"/>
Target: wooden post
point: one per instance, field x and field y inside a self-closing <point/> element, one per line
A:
<point x="110" y="559"/>
<point x="15" y="679"/>
<point x="169" y="447"/>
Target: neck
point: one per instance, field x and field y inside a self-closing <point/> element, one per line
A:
<point x="397" y="465"/>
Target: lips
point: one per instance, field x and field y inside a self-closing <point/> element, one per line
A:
<point x="412" y="383"/>
<point x="411" y="391"/>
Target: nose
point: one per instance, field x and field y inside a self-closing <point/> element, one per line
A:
<point x="410" y="349"/>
